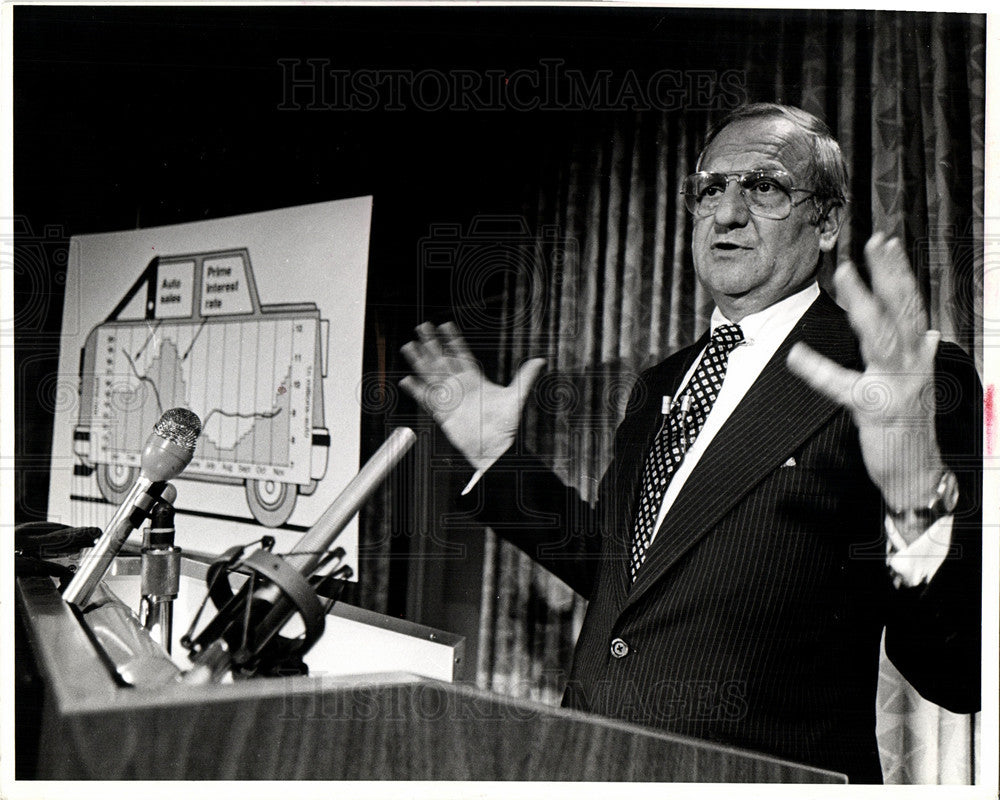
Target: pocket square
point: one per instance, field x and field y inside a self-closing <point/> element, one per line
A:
<point x="790" y="463"/>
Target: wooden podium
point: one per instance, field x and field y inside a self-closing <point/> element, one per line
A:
<point x="389" y="726"/>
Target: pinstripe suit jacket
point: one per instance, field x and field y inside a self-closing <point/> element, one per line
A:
<point x="757" y="615"/>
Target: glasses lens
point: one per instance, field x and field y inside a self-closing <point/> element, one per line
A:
<point x="702" y="192"/>
<point x="767" y="193"/>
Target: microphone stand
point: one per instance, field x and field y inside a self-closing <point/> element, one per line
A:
<point x="161" y="575"/>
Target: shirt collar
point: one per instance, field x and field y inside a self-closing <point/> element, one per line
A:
<point x="776" y="319"/>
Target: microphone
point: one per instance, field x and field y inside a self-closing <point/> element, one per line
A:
<point x="168" y="451"/>
<point x="247" y="623"/>
<point x="308" y="551"/>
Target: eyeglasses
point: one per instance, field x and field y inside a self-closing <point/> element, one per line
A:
<point x="767" y="192"/>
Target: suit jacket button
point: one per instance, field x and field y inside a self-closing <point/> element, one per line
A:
<point x="619" y="648"/>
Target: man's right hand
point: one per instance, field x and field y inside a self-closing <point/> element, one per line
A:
<point x="479" y="417"/>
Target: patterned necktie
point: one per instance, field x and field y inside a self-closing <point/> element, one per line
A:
<point x="678" y="431"/>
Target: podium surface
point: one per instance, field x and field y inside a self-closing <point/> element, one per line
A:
<point x="388" y="726"/>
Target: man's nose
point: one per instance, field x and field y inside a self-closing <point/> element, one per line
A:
<point x="732" y="211"/>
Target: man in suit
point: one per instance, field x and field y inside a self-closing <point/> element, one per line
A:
<point x="785" y="489"/>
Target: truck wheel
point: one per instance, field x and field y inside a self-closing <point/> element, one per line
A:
<point x="115" y="480"/>
<point x="271" y="502"/>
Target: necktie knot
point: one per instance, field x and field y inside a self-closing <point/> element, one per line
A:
<point x="727" y="336"/>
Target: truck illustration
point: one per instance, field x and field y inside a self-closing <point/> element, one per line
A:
<point x="192" y="332"/>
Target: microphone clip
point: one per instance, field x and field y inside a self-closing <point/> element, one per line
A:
<point x="249" y="620"/>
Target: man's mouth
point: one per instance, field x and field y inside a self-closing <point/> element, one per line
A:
<point x="729" y="246"/>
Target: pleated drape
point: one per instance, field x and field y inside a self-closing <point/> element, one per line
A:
<point x="904" y="94"/>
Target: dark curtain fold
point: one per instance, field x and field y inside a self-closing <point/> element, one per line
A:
<point x="904" y="94"/>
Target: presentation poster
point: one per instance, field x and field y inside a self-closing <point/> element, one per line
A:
<point x="230" y="318"/>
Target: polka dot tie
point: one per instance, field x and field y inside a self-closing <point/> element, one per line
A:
<point x="680" y="427"/>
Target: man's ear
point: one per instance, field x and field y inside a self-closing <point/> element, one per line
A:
<point x="829" y="224"/>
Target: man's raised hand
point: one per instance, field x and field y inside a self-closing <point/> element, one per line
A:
<point x="893" y="399"/>
<point x="479" y="417"/>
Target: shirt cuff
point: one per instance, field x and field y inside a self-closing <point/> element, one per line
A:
<point x="479" y="474"/>
<point x="916" y="563"/>
<point x="474" y="480"/>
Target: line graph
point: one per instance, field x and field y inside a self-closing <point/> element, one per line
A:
<point x="249" y="381"/>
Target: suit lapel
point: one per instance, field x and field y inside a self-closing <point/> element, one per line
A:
<point x="750" y="445"/>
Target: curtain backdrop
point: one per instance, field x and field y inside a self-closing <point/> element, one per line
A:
<point x="904" y="94"/>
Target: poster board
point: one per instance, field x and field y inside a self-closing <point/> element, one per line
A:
<point x="231" y="319"/>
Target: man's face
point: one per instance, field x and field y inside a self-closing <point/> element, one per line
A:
<point x="746" y="262"/>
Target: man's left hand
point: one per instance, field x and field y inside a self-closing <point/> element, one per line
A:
<point x="893" y="400"/>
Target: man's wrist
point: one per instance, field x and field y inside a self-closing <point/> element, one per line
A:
<point x="913" y="519"/>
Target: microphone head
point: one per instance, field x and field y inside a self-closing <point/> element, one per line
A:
<point x="180" y="426"/>
<point x="171" y="446"/>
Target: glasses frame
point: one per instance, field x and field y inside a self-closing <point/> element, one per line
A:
<point x="691" y="201"/>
